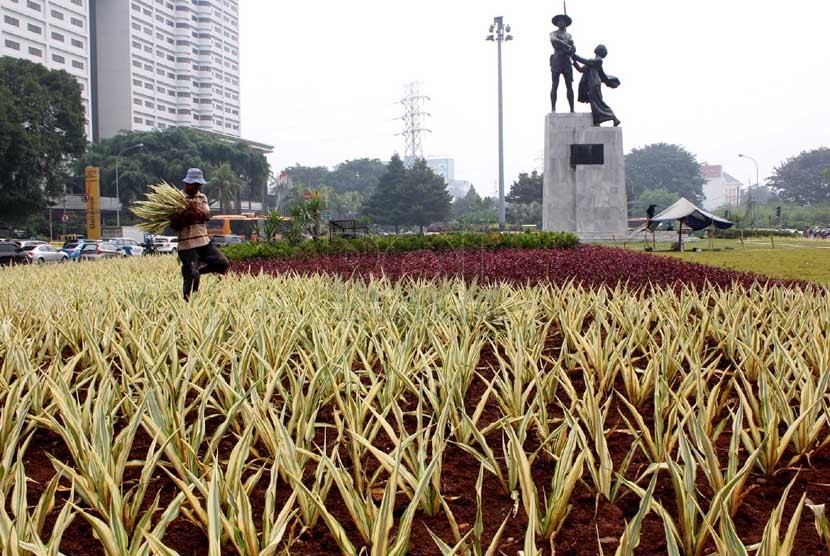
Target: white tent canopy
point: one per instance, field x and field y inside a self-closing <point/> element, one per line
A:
<point x="690" y="215"/>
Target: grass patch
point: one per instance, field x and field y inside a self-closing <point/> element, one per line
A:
<point x="790" y="258"/>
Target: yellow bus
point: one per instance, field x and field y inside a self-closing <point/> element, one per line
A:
<point x="251" y="228"/>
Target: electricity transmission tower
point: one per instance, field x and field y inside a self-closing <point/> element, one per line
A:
<point x="413" y="120"/>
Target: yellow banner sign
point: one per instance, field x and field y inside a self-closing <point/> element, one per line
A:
<point x="93" y="203"/>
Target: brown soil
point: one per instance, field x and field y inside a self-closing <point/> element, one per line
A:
<point x="591" y="523"/>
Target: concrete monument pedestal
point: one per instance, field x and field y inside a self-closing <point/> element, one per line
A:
<point x="584" y="183"/>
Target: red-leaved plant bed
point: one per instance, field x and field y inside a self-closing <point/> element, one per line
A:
<point x="589" y="265"/>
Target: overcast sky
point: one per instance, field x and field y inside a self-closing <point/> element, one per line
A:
<point x="320" y="79"/>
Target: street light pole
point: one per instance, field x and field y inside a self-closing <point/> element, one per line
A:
<point x="117" y="195"/>
<point x="757" y="183"/>
<point x="499" y="32"/>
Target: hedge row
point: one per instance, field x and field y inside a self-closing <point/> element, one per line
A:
<point x="733" y="233"/>
<point x="402" y="243"/>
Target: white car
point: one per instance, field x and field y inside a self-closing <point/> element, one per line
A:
<point x="129" y="247"/>
<point x="166" y="244"/>
<point x="44" y="253"/>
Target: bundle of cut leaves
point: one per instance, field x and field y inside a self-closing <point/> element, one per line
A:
<point x="165" y="206"/>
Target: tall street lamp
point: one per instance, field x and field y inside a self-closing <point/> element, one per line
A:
<point x="499" y="32"/>
<point x="757" y="183"/>
<point x="117" y="195"/>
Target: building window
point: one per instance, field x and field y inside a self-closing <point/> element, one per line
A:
<point x="11" y="21"/>
<point x="57" y="37"/>
<point x="57" y="15"/>
<point x="34" y="29"/>
<point x="33" y="5"/>
<point x="35" y="52"/>
<point x="138" y="120"/>
<point x="77" y="65"/>
<point x="77" y="22"/>
<point x="77" y="44"/>
<point x="58" y="58"/>
<point x="13" y="45"/>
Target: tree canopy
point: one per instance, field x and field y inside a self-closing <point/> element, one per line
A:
<point x="166" y="155"/>
<point x="409" y="197"/>
<point x="526" y="189"/>
<point x="361" y="175"/>
<point x="472" y="209"/>
<point x="425" y="198"/>
<point x="663" y="166"/>
<point x="804" y="179"/>
<point x="41" y="131"/>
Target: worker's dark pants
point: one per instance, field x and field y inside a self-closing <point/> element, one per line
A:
<point x="201" y="260"/>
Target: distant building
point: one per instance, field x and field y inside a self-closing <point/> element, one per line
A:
<point x="55" y="34"/>
<point x="720" y="189"/>
<point x="166" y="64"/>
<point x="445" y="167"/>
<point x="142" y="64"/>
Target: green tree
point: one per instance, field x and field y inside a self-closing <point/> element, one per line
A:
<point x="524" y="213"/>
<point x="472" y="209"/>
<point x="804" y="179"/>
<point x="223" y="186"/>
<point x="663" y="166"/>
<point x="526" y="189"/>
<point x="660" y="197"/>
<point x="309" y="177"/>
<point x="387" y="206"/>
<point x="425" y="198"/>
<point x="168" y="154"/>
<point x="360" y="175"/>
<point x="41" y="131"/>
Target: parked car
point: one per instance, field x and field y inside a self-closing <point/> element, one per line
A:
<point x="26" y="243"/>
<point x="220" y="240"/>
<point x="44" y="253"/>
<point x="101" y="250"/>
<point x="166" y="244"/>
<point x="11" y="254"/>
<point x="129" y="247"/>
<point x="73" y="247"/>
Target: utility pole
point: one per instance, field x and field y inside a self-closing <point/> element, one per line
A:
<point x="757" y="183"/>
<point x="499" y="32"/>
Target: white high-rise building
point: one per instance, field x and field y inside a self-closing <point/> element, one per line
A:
<point x="55" y="33"/>
<point x="164" y="63"/>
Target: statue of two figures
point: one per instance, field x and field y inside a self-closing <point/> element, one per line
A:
<point x="562" y="63"/>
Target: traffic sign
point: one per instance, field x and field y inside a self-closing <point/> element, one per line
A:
<point x="306" y="195"/>
<point x="325" y="215"/>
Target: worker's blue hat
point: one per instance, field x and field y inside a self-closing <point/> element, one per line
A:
<point x="194" y="175"/>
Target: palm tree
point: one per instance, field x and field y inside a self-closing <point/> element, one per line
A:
<point x="223" y="186"/>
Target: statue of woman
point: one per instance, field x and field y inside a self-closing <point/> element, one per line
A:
<point x="560" y="60"/>
<point x="590" y="86"/>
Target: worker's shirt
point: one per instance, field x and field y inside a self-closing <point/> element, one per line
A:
<point x="195" y="235"/>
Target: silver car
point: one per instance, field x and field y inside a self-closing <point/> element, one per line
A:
<point x="44" y="253"/>
<point x="100" y="250"/>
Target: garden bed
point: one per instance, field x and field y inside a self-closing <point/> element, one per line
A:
<point x="591" y="266"/>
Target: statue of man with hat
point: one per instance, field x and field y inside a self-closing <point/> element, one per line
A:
<point x="560" y="60"/>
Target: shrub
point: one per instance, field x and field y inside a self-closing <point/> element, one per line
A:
<point x="401" y="244"/>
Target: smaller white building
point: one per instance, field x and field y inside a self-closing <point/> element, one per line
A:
<point x="445" y="167"/>
<point x="720" y="189"/>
